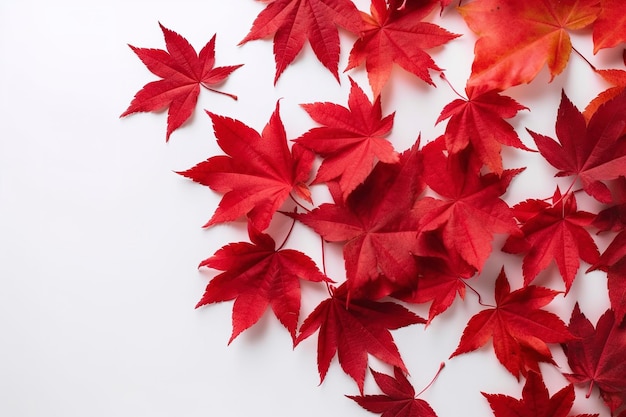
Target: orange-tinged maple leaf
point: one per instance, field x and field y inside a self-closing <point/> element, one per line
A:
<point x="517" y="38"/>
<point x="610" y="28"/>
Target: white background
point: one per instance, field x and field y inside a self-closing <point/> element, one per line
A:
<point x="99" y="239"/>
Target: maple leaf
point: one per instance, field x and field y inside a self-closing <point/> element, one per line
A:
<point x="609" y="30"/>
<point x="535" y="402"/>
<point x="613" y="76"/>
<point x="613" y="261"/>
<point x="257" y="276"/>
<point x="594" y="152"/>
<point x="258" y="174"/>
<point x="292" y="22"/>
<point x="399" y="397"/>
<point x="472" y="211"/>
<point x="391" y="35"/>
<point x="517" y="38"/>
<point x="520" y="329"/>
<point x="479" y="121"/>
<point x="351" y="141"/>
<point x="553" y="232"/>
<point x="597" y="356"/>
<point x="378" y="227"/>
<point x="353" y="329"/>
<point x="182" y="72"/>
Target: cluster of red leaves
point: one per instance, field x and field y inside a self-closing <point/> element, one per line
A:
<point x="415" y="225"/>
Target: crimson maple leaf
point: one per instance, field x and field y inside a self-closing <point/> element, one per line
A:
<point x="517" y="38"/>
<point x="351" y="141"/>
<point x="535" y="402"/>
<point x="553" y="232"/>
<point x="391" y="35"/>
<point x="472" y="211"/>
<point x="257" y="276"/>
<point x="479" y="121"/>
<point x="183" y="71"/>
<point x="597" y="356"/>
<point x="399" y="399"/>
<point x="258" y="174"/>
<point x="292" y="22"/>
<point x="352" y="329"/>
<point x="378" y="227"/>
<point x="520" y="329"/>
<point x="609" y="30"/>
<point x="594" y="152"/>
<point x="613" y="261"/>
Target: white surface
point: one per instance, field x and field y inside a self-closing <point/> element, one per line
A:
<point x="100" y="239"/>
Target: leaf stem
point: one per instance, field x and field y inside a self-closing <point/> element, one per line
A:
<point x="583" y="57"/>
<point x="590" y="389"/>
<point x="298" y="203"/>
<point x="234" y="97"/>
<point x="293" y="223"/>
<point x="480" y="299"/>
<point x="432" y="381"/>
<point x="442" y="75"/>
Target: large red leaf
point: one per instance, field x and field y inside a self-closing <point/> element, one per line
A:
<point x="535" y="402"/>
<point x="258" y="174"/>
<point x="519" y="327"/>
<point x="597" y="356"/>
<point x="553" y="232"/>
<point x="292" y="22"/>
<point x="397" y="36"/>
<point x="182" y="72"/>
<point x="517" y="38"/>
<point x="594" y="152"/>
<point x="352" y="329"/>
<point x="351" y="139"/>
<point x="257" y="276"/>
<point x="610" y="28"/>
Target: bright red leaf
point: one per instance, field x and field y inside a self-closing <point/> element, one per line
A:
<point x="535" y="402"/>
<point x="182" y="72"/>
<point x="597" y="356"/>
<point x="479" y="121"/>
<point x="553" y="232"/>
<point x="257" y="276"/>
<point x="594" y="152"/>
<point x="292" y="22"/>
<point x="351" y="139"/>
<point x="352" y="329"/>
<point x="397" y="36"/>
<point x="613" y="76"/>
<point x="258" y="174"/>
<point x="519" y="327"/>
<point x="613" y="261"/>
<point x="517" y="38"/>
<point x="610" y="28"/>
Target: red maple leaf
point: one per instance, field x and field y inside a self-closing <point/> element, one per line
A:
<point x="597" y="356"/>
<point x="594" y="152"/>
<point x="613" y="261"/>
<point x="391" y="35"/>
<point x="517" y="38"/>
<point x="613" y="76"/>
<point x="183" y="71"/>
<point x="378" y="227"/>
<point x="257" y="276"/>
<point x="535" y="402"/>
<point x="610" y="28"/>
<point x="479" y="121"/>
<point x="351" y="141"/>
<point x="553" y="232"/>
<point x="292" y="22"/>
<point x="352" y="329"/>
<point x="472" y="211"/>
<point x="614" y="217"/>
<point x="258" y="174"/>
<point x="399" y="399"/>
<point x="520" y="329"/>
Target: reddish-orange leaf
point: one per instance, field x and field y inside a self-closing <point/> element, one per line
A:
<point x="479" y="121"/>
<point x="597" y="356"/>
<point x="354" y="328"/>
<point x="351" y="140"/>
<point x="518" y="38"/>
<point x="613" y="76"/>
<point x="553" y="232"/>
<point x="610" y="28"/>
<point x="535" y="402"/>
<point x="182" y="72"/>
<point x="292" y="22"/>
<point x="258" y="174"/>
<point x="257" y="276"/>
<point x="393" y="35"/>
<point x="520" y="329"/>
